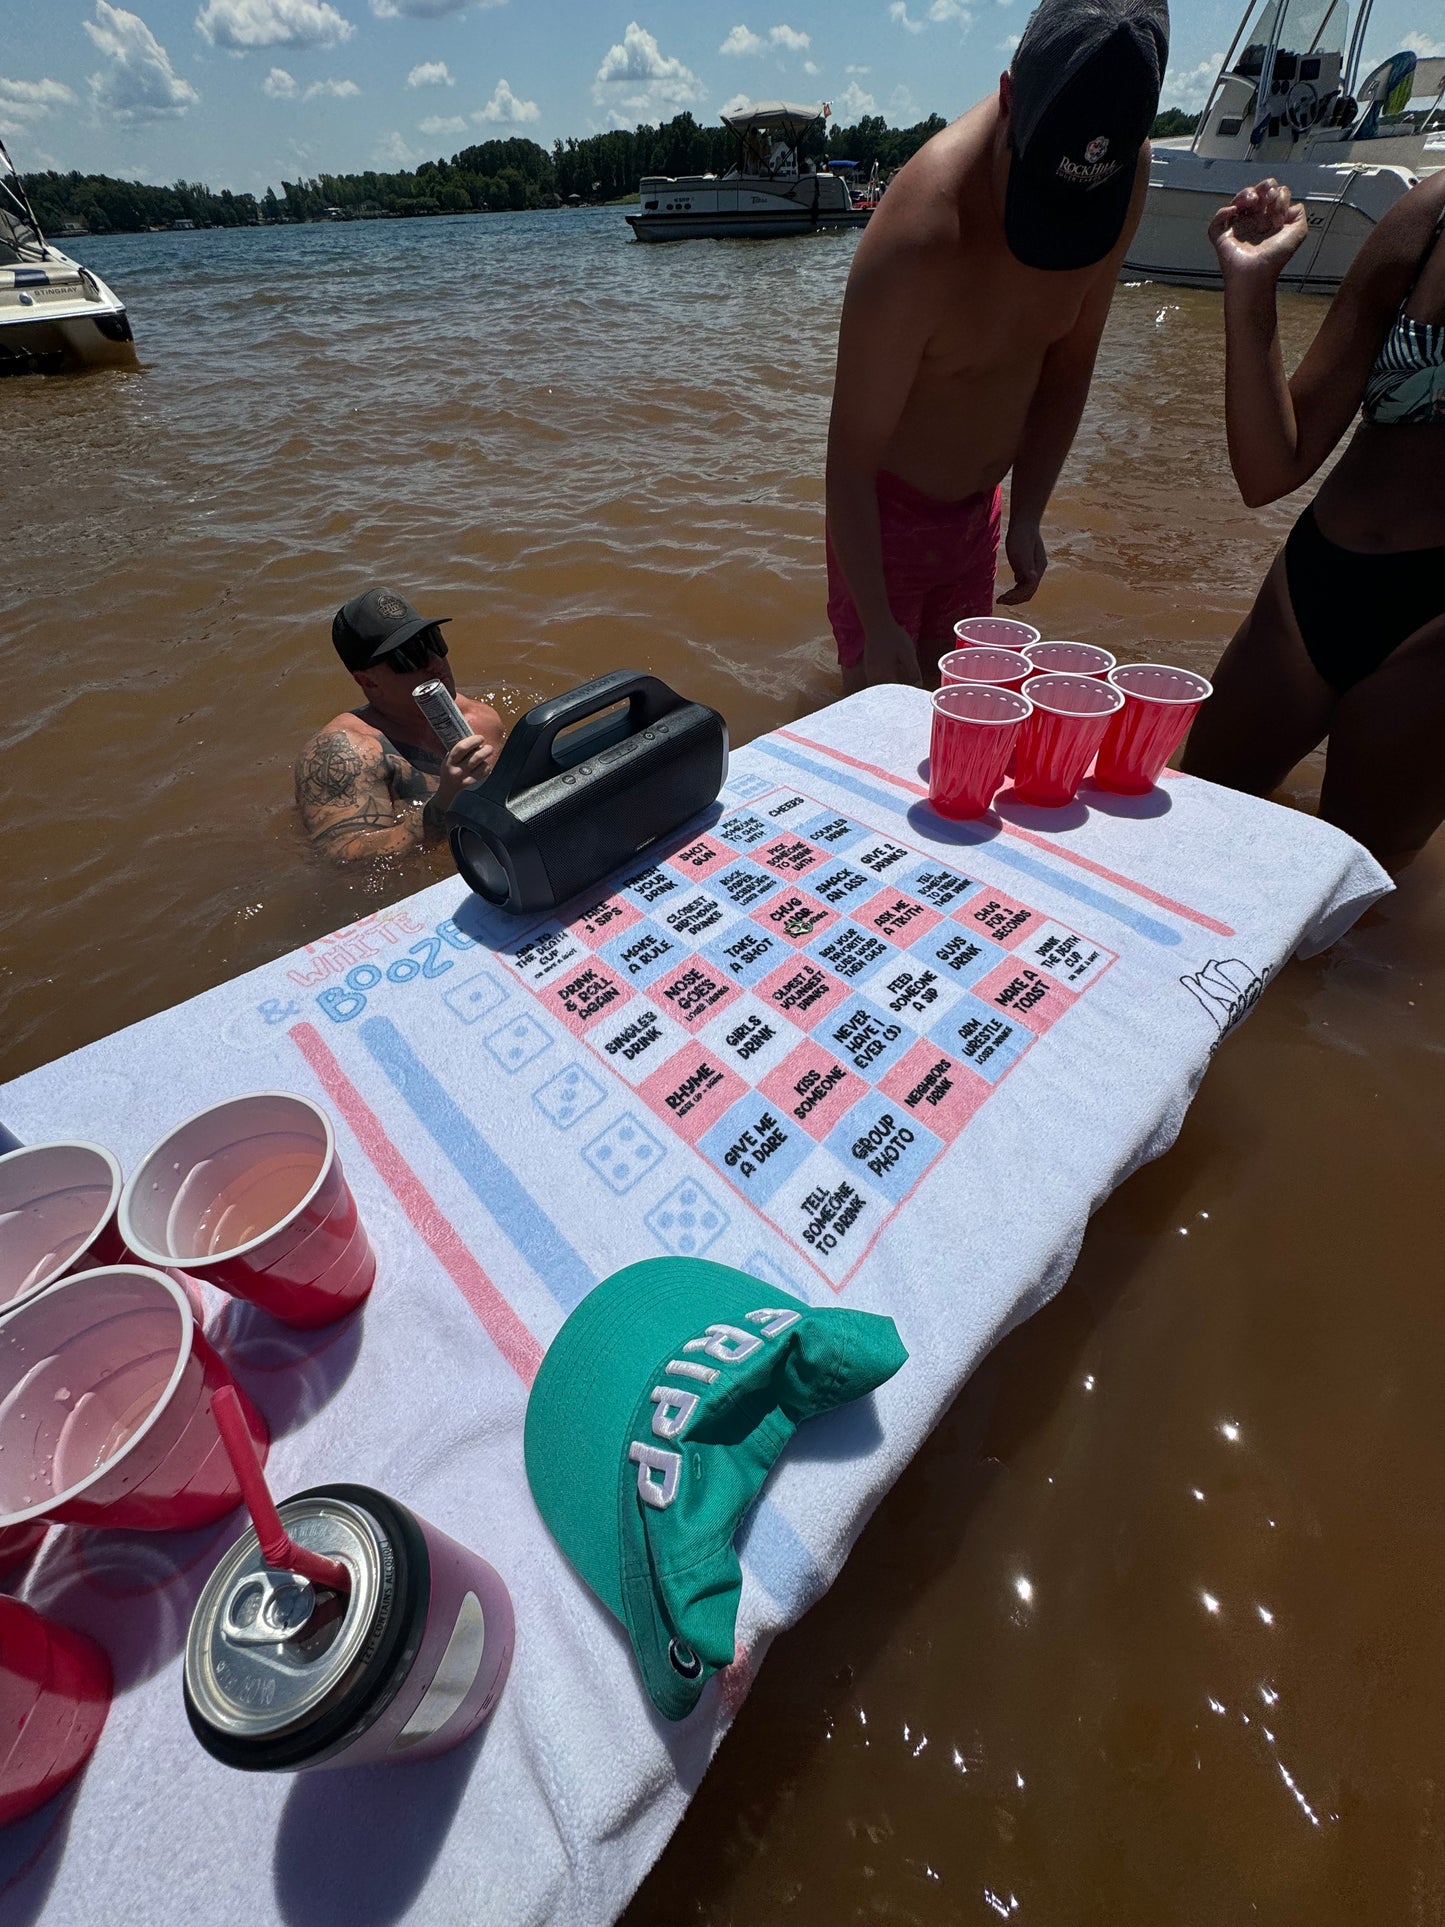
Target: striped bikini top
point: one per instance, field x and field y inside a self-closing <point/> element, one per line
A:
<point x="1407" y="382"/>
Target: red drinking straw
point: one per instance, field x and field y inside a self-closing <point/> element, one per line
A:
<point x="278" y="1548"/>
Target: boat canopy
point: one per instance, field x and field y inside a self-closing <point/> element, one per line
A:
<point x="20" y="236"/>
<point x="788" y="121"/>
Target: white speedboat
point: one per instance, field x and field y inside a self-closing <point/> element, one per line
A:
<point x="1286" y="103"/>
<point x="55" y="316"/>
<point x="770" y="189"/>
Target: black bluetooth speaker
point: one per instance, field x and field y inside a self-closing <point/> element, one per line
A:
<point x="583" y="783"/>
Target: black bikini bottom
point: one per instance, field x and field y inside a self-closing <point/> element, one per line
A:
<point x="1355" y="609"/>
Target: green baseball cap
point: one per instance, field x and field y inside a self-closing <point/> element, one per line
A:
<point x="654" y="1419"/>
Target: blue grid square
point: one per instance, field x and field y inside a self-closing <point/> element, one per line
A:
<point x="742" y="830"/>
<point x="744" y="884"/>
<point x="517" y="1043"/>
<point x="646" y="889"/>
<point x="832" y="832"/>
<point x="937" y="885"/>
<point x="474" y="996"/>
<point x="687" y="1222"/>
<point x="962" y="956"/>
<point x="746" y="954"/>
<point x="853" y="955"/>
<point x="842" y="887"/>
<point x="641" y="954"/>
<point x="756" y="1145"/>
<point x="864" y="1038"/>
<point x="567" y="1096"/>
<point x="883" y="1146"/>
<point x="981" y="1037"/>
<point x="623" y="1153"/>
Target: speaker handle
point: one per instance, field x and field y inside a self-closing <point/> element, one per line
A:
<point x="527" y="757"/>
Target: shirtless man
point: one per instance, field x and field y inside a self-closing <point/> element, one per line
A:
<point x="376" y="781"/>
<point x="973" y="314"/>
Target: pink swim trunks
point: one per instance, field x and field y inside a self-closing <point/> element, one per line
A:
<point x="938" y="559"/>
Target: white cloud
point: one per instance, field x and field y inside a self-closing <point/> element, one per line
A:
<point x="242" y="24"/>
<point x="1190" y="89"/>
<point x="392" y="151"/>
<point x="790" y="39"/>
<point x="331" y="90"/>
<point x="853" y="103"/>
<point x="739" y="104"/>
<point x="636" y="75"/>
<point x="810" y="66"/>
<point x="857" y="70"/>
<point x="1009" y="44"/>
<point x="741" y="40"/>
<point x="430" y="73"/>
<point x="505" y="109"/>
<point x="280" y="85"/>
<point x="899" y="12"/>
<point x="902" y="103"/>
<point x="1423" y="45"/>
<point x="443" y="124"/>
<point x="32" y="99"/>
<point x="138" y="82"/>
<point x="944" y="10"/>
<point x="426" y="9"/>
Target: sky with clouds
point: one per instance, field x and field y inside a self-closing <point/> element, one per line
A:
<point x="242" y="93"/>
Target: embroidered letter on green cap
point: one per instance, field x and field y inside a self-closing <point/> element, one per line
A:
<point x="654" y="1420"/>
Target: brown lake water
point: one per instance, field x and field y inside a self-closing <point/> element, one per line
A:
<point x="1149" y="1631"/>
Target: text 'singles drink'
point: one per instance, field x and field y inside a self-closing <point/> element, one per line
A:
<point x="281" y="1675"/>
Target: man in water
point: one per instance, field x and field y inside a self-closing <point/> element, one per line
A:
<point x="972" y="317"/>
<point x="376" y="781"/>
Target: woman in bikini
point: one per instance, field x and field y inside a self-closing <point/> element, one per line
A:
<point x="1346" y="638"/>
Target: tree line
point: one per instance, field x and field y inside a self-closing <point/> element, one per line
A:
<point x="490" y="177"/>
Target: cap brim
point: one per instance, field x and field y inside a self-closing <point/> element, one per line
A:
<point x="1052" y="225"/>
<point x="403" y="633"/>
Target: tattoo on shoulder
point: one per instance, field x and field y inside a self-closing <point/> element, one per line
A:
<point x="330" y="770"/>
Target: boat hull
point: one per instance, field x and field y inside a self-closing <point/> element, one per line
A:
<point x="1343" y="203"/>
<point x="744" y="226"/>
<point x="61" y="320"/>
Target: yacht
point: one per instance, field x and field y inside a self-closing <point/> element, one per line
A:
<point x="1287" y="101"/>
<point x="55" y="315"/>
<point x="770" y="188"/>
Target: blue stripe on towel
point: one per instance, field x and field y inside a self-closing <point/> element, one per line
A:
<point x="489" y="1178"/>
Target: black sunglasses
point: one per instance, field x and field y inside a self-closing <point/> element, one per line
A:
<point x="416" y="652"/>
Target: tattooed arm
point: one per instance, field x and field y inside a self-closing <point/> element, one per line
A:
<point x="345" y="798"/>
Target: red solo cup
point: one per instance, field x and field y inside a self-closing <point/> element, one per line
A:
<point x="1069" y="658"/>
<point x="1160" y="704"/>
<point x="54" y="1696"/>
<point x="57" y="1214"/>
<point x="994" y="632"/>
<point x="1059" y="741"/>
<point x="1004" y="668"/>
<point x="974" y="726"/>
<point x="105" y="1407"/>
<point x="250" y="1196"/>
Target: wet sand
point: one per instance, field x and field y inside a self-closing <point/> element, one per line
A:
<point x="1147" y="1632"/>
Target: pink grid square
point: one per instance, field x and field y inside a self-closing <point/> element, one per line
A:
<point x="693" y="994"/>
<point x="812" y="1088"/>
<point x="901" y="919"/>
<point x="600" y="922"/>
<point x="794" y="916"/>
<point x="1032" y="996"/>
<point x="584" y="995"/>
<point x="701" y="857"/>
<point x="789" y="857"/>
<point x="803" y="991"/>
<point x="1002" y="918"/>
<point x="692" y="1090"/>
<point x="936" y="1089"/>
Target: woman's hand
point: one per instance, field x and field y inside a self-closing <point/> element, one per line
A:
<point x="1258" y="231"/>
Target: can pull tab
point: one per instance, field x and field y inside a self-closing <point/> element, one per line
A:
<point x="267" y="1608"/>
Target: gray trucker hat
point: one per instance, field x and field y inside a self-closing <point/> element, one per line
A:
<point x="1086" y="80"/>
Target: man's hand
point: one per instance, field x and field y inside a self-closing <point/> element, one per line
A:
<point x="1258" y="231"/>
<point x="1027" y="557"/>
<point x="890" y="655"/>
<point x="467" y="762"/>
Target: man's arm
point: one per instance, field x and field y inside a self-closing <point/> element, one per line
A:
<point x="1057" y="409"/>
<point x="346" y="801"/>
<point x="888" y="316"/>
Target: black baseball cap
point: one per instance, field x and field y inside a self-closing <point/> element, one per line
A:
<point x="1086" y="80"/>
<point x="371" y="625"/>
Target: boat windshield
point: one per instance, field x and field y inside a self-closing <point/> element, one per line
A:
<point x="20" y="236"/>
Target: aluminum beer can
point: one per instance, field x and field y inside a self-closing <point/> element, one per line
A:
<point x="434" y="700"/>
<point x="282" y="1675"/>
